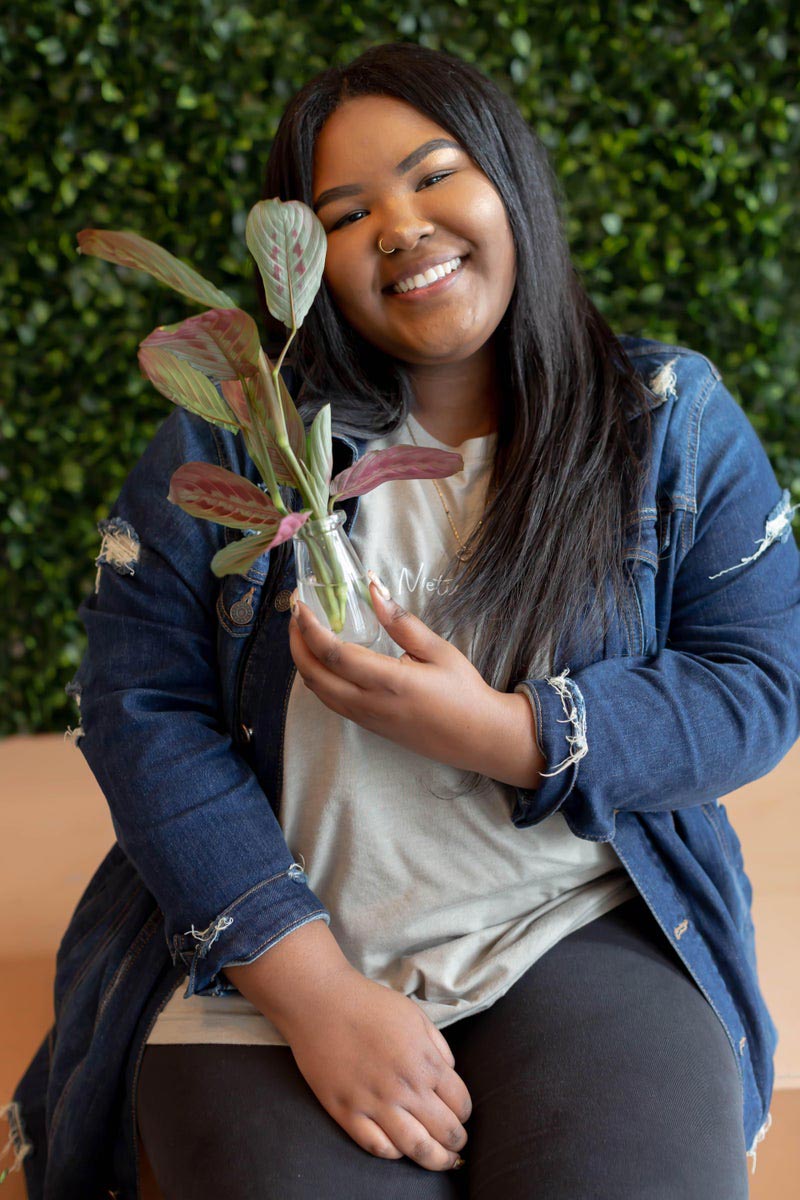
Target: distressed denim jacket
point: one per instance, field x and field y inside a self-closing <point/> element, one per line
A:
<point x="183" y="692"/>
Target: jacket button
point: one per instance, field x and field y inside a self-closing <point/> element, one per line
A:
<point x="283" y="599"/>
<point x="247" y="732"/>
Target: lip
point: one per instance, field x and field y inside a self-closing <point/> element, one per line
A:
<point x="433" y="289"/>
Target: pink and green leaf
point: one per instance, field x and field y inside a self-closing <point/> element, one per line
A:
<point x="185" y="386"/>
<point x="239" y="556"/>
<point x="289" y="243"/>
<point x="320" y="452"/>
<point x="233" y="393"/>
<point x="222" y="343"/>
<point x="206" y="490"/>
<point x="266" y="401"/>
<point x="395" y="462"/>
<point x="128" y="249"/>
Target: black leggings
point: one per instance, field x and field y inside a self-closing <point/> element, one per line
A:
<point x="602" y="1074"/>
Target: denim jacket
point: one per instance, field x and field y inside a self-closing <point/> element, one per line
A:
<point x="183" y="692"/>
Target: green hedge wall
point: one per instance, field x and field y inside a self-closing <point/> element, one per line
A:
<point x="674" y="128"/>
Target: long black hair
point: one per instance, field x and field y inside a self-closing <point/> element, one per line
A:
<point x="569" y="465"/>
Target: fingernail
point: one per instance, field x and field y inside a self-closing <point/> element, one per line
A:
<point x="293" y="603"/>
<point x="382" y="588"/>
<point x="460" y="1162"/>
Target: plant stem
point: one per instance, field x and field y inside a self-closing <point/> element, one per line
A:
<point x="332" y="587"/>
<point x="327" y="567"/>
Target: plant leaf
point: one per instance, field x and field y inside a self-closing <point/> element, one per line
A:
<point x="394" y="462"/>
<point x="240" y="555"/>
<point x="206" y="490"/>
<point x="185" y="386"/>
<point x="128" y="249"/>
<point x="320" y="451"/>
<point x="222" y="343"/>
<point x="288" y="242"/>
<point x="265" y="402"/>
<point x="232" y="392"/>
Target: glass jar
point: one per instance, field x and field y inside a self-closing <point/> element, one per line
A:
<point x="332" y="581"/>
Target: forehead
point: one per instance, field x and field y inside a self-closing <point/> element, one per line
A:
<point x="369" y="132"/>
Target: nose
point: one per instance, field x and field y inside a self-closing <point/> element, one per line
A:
<point x="404" y="233"/>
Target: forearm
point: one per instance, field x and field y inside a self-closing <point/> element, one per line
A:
<point x="508" y="749"/>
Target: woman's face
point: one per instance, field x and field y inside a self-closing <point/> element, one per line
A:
<point x="432" y="204"/>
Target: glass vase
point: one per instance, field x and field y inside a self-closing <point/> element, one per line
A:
<point x="332" y="581"/>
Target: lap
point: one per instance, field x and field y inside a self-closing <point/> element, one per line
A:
<point x="241" y="1122"/>
<point x="602" y="1073"/>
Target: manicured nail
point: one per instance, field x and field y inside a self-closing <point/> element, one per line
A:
<point x="293" y="603"/>
<point x="460" y="1162"/>
<point x="382" y="588"/>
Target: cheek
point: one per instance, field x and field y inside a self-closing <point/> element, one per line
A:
<point x="348" y="285"/>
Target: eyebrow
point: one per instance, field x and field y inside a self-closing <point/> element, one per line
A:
<point x="405" y="165"/>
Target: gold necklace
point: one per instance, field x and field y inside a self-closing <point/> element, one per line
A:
<point x="463" y="553"/>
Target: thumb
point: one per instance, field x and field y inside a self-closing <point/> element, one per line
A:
<point x="420" y="642"/>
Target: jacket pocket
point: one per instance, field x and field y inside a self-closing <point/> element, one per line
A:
<point x="237" y="604"/>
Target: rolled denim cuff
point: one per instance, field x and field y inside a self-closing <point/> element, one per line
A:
<point x="560" y="715"/>
<point x="243" y="931"/>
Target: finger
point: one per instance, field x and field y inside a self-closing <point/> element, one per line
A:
<point x="440" y="1121"/>
<point x="304" y="660"/>
<point x="416" y="1142"/>
<point x="450" y="1087"/>
<point x="441" y="1043"/>
<point x="420" y="643"/>
<point x="335" y="693"/>
<point x="359" y="665"/>
<point x="370" y="1137"/>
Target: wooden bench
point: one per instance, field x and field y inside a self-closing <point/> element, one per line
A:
<point x="56" y="829"/>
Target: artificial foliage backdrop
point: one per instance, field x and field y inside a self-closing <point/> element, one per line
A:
<point x="674" y="128"/>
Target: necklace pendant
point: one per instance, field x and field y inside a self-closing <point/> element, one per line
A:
<point x="464" y="554"/>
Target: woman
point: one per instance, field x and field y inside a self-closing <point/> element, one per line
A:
<point x="547" y="980"/>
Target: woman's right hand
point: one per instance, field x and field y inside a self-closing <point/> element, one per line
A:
<point x="382" y="1070"/>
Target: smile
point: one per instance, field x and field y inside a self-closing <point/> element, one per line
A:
<point x="425" y="286"/>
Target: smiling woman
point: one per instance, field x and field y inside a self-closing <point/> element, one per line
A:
<point x="427" y="202"/>
<point x="412" y="159"/>
<point x="384" y="967"/>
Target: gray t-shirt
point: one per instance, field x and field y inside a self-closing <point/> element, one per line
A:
<point x="433" y="893"/>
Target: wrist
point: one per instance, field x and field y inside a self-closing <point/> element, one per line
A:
<point x="292" y="976"/>
<point x="510" y="751"/>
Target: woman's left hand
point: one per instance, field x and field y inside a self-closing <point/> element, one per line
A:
<point x="431" y="700"/>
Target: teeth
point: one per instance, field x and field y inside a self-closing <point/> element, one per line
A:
<point x="429" y="276"/>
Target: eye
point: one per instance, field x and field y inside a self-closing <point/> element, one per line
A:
<point x="347" y="220"/>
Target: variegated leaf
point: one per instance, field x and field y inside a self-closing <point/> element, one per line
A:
<point x="265" y="401"/>
<point x="395" y="462"/>
<point x="128" y="249"/>
<point x="239" y="556"/>
<point x="185" y="386"/>
<point x="233" y="395"/>
<point x="288" y="242"/>
<point x="320" y="451"/>
<point x="222" y="343"/>
<point x="205" y="490"/>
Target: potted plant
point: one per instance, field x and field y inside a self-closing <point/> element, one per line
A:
<point x="213" y="365"/>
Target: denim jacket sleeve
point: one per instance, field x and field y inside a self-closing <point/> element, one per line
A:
<point x="187" y="810"/>
<point x="719" y="705"/>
